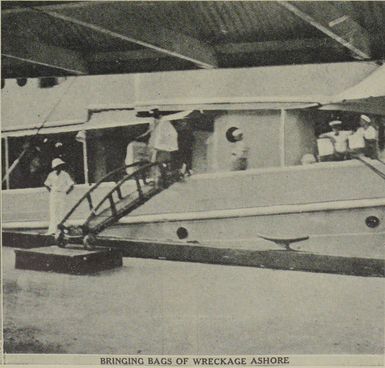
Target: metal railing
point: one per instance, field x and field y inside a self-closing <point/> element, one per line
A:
<point x="124" y="204"/>
<point x="87" y="196"/>
<point x="112" y="211"/>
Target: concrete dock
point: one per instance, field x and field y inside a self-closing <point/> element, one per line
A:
<point x="163" y="307"/>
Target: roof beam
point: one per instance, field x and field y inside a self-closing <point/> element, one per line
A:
<point x="328" y="19"/>
<point x="227" y="48"/>
<point x="142" y="33"/>
<point x="122" y="56"/>
<point x="25" y="7"/>
<point x="29" y="51"/>
<point x="270" y="46"/>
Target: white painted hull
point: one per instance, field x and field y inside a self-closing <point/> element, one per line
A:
<point x="335" y="231"/>
<point x="329" y="202"/>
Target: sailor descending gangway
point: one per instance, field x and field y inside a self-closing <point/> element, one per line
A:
<point x="131" y="190"/>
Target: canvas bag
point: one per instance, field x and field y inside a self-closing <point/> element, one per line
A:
<point x="164" y="137"/>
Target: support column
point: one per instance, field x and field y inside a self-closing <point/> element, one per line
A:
<point x="85" y="158"/>
<point x="6" y="150"/>
<point x="282" y="156"/>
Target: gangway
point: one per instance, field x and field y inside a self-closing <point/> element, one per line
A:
<point x="131" y="190"/>
<point x="370" y="166"/>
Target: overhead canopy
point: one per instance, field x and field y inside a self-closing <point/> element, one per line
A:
<point x="106" y="118"/>
<point x="62" y="107"/>
<point x="112" y="98"/>
<point x="114" y="118"/>
<point x="109" y="118"/>
<point x="372" y="86"/>
<point x="114" y="37"/>
<point x="275" y="87"/>
<point x="367" y="96"/>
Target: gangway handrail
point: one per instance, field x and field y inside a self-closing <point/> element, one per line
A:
<point x="108" y="196"/>
<point x="94" y="186"/>
<point x="380" y="161"/>
<point x="371" y="167"/>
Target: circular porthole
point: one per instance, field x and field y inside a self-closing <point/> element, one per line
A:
<point x="182" y="233"/>
<point x="229" y="134"/>
<point x="21" y="82"/>
<point x="372" y="221"/>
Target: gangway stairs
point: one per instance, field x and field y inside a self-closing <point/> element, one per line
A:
<point x="131" y="190"/>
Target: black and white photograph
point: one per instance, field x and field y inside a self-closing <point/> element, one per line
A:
<point x="193" y="183"/>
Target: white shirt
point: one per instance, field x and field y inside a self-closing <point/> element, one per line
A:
<point x="341" y="140"/>
<point x="369" y="133"/>
<point x="136" y="151"/>
<point x="240" y="150"/>
<point x="163" y="137"/>
<point x="59" y="183"/>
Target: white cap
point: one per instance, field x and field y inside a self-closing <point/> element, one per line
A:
<point x="365" y="118"/>
<point x="335" y="123"/>
<point x="237" y="132"/>
<point x="56" y="162"/>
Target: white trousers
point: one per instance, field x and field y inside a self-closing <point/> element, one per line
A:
<point x="57" y="210"/>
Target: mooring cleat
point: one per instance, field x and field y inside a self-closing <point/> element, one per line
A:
<point x="284" y="241"/>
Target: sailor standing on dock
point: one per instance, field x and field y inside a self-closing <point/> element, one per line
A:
<point x="59" y="183"/>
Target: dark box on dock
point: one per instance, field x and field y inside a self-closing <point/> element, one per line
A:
<point x="72" y="260"/>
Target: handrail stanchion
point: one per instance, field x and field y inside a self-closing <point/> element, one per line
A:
<point x="138" y="187"/>
<point x="163" y="176"/>
<point x="89" y="200"/>
<point x="119" y="192"/>
<point x="112" y="204"/>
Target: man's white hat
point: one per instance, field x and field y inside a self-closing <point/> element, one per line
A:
<point x="237" y="132"/>
<point x="335" y="123"/>
<point x="56" y="162"/>
<point x="365" y="118"/>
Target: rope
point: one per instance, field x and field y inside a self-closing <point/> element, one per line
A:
<point x="25" y="150"/>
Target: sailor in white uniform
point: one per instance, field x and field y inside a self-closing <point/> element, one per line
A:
<point x="59" y="183"/>
<point x="239" y="153"/>
<point x="370" y="135"/>
<point x="339" y="139"/>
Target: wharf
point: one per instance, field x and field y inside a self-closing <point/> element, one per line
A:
<point x="190" y="252"/>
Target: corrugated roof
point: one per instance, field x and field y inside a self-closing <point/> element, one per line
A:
<point x="95" y="27"/>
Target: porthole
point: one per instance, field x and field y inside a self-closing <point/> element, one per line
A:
<point x="372" y="221"/>
<point x="21" y="82"/>
<point x="182" y="233"/>
<point x="229" y="134"/>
